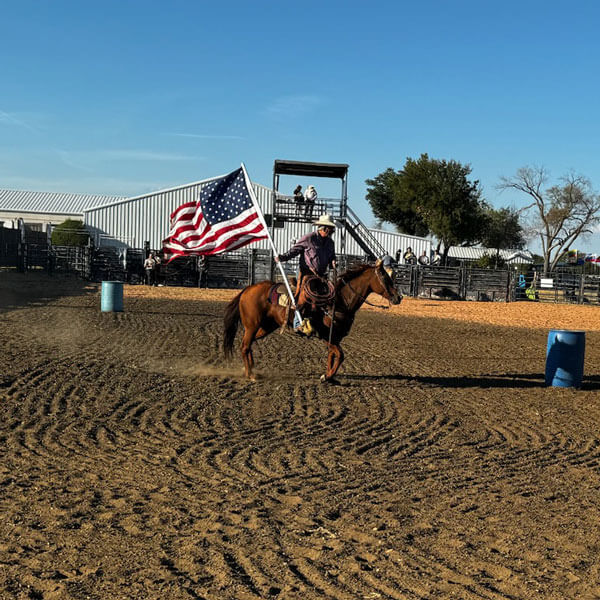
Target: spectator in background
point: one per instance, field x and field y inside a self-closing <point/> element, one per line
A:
<point x="310" y="197"/>
<point x="150" y="269"/>
<point x="157" y="263"/>
<point x="398" y="255"/>
<point x="202" y="267"/>
<point x="436" y="259"/>
<point x="410" y="257"/>
<point x="388" y="263"/>
<point x="298" y="198"/>
<point x="424" y="259"/>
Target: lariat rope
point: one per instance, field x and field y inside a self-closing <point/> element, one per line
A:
<point x="323" y="299"/>
<point x="316" y="298"/>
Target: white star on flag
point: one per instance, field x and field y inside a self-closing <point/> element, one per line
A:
<point x="225" y="217"/>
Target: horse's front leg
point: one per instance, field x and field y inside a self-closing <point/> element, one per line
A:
<point x="335" y="358"/>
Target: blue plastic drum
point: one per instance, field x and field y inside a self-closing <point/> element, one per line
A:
<point x="564" y="358"/>
<point x="112" y="296"/>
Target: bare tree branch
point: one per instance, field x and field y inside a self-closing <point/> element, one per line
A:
<point x="558" y="215"/>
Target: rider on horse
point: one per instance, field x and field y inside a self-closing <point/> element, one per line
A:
<point x="317" y="253"/>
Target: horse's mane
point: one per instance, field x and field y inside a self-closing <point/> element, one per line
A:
<point x="352" y="273"/>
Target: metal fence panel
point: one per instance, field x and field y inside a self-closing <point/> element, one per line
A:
<point x="590" y="289"/>
<point x="229" y="270"/>
<point x="260" y="265"/>
<point x="9" y="247"/>
<point x="441" y="282"/>
<point x="487" y="284"/>
<point x="108" y="264"/>
<point x="36" y="255"/>
<point x="181" y="272"/>
<point x="247" y="266"/>
<point x="70" y="259"/>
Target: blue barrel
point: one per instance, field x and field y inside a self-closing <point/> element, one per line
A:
<point x="112" y="296"/>
<point x="564" y="358"/>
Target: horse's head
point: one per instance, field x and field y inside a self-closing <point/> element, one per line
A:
<point x="383" y="284"/>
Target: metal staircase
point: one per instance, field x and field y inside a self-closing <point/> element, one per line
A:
<point x="362" y="236"/>
<point x="287" y="210"/>
<point x="284" y="208"/>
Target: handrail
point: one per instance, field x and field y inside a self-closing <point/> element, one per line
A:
<point x="331" y="206"/>
<point x="286" y="207"/>
<point x="368" y="238"/>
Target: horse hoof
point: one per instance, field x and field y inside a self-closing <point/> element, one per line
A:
<point x="330" y="381"/>
<point x="323" y="379"/>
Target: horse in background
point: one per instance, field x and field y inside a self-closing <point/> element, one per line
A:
<point x="260" y="317"/>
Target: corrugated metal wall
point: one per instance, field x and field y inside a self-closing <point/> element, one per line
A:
<point x="393" y="242"/>
<point x="146" y="218"/>
<point x="136" y="220"/>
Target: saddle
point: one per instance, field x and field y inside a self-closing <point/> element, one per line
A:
<point x="278" y="295"/>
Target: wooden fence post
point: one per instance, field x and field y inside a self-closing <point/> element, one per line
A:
<point x="462" y="281"/>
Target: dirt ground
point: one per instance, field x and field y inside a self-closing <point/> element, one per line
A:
<point x="136" y="463"/>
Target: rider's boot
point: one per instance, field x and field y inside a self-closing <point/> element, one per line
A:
<point x="305" y="327"/>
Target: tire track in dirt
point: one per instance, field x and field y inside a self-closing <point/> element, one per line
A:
<point x="126" y="471"/>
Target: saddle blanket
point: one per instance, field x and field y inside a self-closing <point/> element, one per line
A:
<point x="278" y="295"/>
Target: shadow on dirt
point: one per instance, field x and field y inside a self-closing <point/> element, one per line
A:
<point x="508" y="380"/>
<point x="133" y="311"/>
<point x="20" y="290"/>
<point x="174" y="313"/>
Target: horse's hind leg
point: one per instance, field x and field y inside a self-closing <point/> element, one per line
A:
<point x="247" y="358"/>
<point x="254" y="334"/>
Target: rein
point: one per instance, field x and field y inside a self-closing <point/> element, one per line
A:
<point x="362" y="297"/>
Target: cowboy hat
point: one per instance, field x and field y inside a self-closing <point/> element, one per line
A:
<point x="325" y="221"/>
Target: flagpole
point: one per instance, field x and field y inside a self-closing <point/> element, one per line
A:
<point x="275" y="252"/>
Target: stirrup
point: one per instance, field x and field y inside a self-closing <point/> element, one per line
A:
<point x="305" y="328"/>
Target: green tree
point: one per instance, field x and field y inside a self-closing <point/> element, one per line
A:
<point x="558" y="215"/>
<point x="502" y="230"/>
<point x="430" y="196"/>
<point x="70" y="233"/>
<point x="389" y="204"/>
<point x="491" y="261"/>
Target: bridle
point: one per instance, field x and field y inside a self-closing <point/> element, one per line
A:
<point x="383" y="285"/>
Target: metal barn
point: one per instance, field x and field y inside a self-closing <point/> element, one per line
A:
<point x="131" y="222"/>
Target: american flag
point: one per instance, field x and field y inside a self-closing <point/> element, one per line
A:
<point x="225" y="217"/>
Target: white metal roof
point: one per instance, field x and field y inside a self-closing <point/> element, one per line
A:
<point x="51" y="202"/>
<point x="474" y="253"/>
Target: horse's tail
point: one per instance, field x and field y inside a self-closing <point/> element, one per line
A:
<point x="231" y="320"/>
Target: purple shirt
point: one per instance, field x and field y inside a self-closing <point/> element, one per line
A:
<point x="316" y="252"/>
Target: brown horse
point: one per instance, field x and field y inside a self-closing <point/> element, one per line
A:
<point x="260" y="318"/>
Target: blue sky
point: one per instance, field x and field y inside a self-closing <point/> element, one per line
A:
<point x="128" y="97"/>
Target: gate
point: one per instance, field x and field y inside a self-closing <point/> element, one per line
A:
<point x="9" y="247"/>
<point x="108" y="264"/>
<point x="441" y="282"/>
<point x="230" y="270"/>
<point x="70" y="259"/>
<point x="487" y="284"/>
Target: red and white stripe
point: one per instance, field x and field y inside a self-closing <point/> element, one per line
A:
<point x="192" y="235"/>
